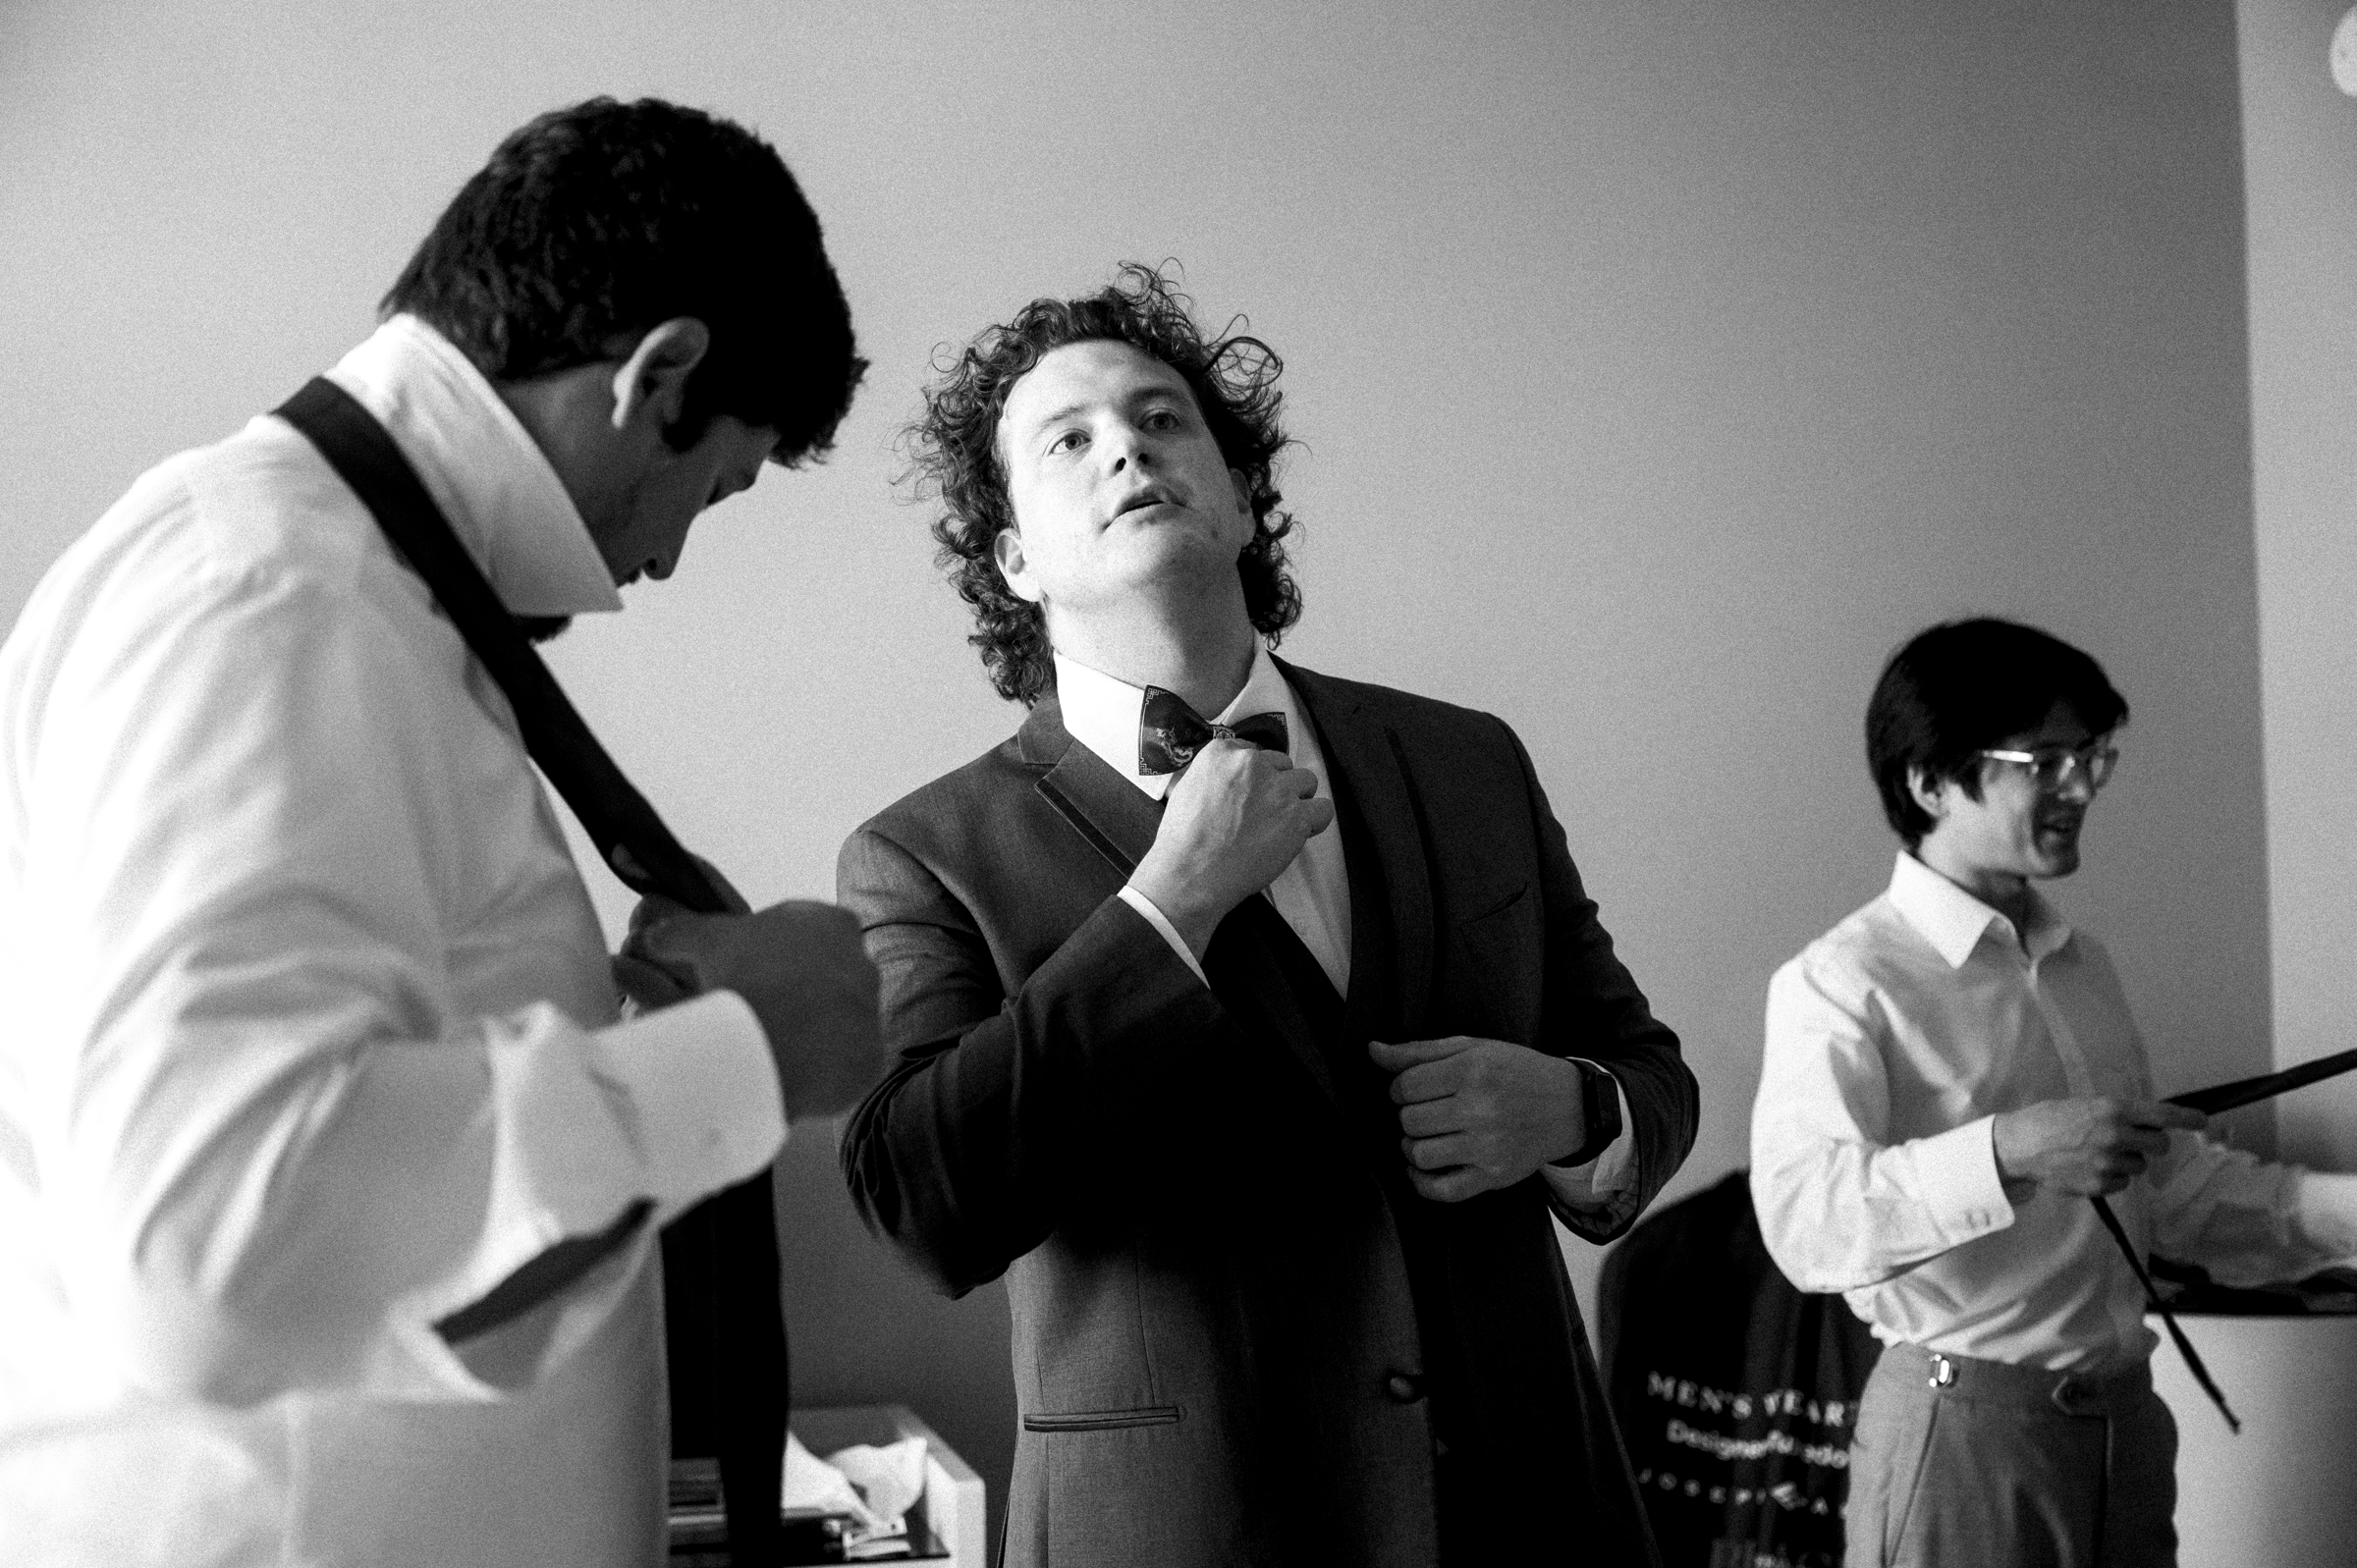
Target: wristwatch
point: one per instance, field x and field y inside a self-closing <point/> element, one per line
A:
<point x="1600" y="1102"/>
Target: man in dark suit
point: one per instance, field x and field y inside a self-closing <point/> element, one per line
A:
<point x="1255" y="1050"/>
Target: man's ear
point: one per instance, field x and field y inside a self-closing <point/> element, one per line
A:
<point x="1930" y="794"/>
<point x="1243" y="492"/>
<point x="650" y="388"/>
<point x="1014" y="566"/>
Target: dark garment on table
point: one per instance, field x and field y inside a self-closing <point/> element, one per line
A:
<point x="1736" y="1393"/>
<point x="1239" y="1338"/>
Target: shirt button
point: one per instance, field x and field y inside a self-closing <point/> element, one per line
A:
<point x="1404" y="1387"/>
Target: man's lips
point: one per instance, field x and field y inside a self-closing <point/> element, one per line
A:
<point x="1151" y="495"/>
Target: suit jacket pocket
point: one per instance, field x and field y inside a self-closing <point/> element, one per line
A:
<point x="1494" y="906"/>
<point x="1493" y="991"/>
<point x="1101" y="1420"/>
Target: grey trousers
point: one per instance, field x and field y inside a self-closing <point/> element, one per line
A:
<point x="1958" y="1462"/>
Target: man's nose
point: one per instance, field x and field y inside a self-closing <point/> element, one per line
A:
<point x="2078" y="786"/>
<point x="1132" y="447"/>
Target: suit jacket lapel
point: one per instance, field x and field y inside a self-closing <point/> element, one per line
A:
<point x="1113" y="814"/>
<point x="1365" y="758"/>
<point x="1118" y="822"/>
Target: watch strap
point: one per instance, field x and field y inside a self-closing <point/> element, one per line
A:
<point x="1600" y="1115"/>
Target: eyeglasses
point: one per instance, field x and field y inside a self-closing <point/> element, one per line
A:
<point x="2055" y="766"/>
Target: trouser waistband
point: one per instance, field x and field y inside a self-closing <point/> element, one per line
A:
<point x="2105" y="1392"/>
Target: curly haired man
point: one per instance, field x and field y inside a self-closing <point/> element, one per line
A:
<point x="1252" y="1023"/>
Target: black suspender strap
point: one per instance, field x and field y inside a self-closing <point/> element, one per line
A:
<point x="2211" y="1101"/>
<point x="2225" y="1097"/>
<point x="614" y="813"/>
<point x="725" y="1330"/>
<point x="2168" y="1320"/>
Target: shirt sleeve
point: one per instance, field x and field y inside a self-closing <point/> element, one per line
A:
<point x="1597" y="1183"/>
<point x="272" y="1152"/>
<point x="1840" y="1204"/>
<point x="1163" y="928"/>
<point x="2247" y="1222"/>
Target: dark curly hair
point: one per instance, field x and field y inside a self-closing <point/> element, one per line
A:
<point x="953" y="453"/>
<point x="598" y="222"/>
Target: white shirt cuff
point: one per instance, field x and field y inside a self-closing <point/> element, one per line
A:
<point x="1597" y="1183"/>
<point x="1161" y="923"/>
<point x="700" y="1083"/>
<point x="2325" y="1212"/>
<point x="1955" y="1174"/>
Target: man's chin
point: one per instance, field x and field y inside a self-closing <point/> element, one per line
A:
<point x="541" y="629"/>
<point x="2057" y="859"/>
<point x="1177" y="550"/>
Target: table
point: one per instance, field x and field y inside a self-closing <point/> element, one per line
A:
<point x="2280" y="1494"/>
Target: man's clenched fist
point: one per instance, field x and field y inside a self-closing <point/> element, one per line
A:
<point x="800" y="967"/>
<point x="1234" y="821"/>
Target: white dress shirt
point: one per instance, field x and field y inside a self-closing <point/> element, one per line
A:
<point x="1892" y="1043"/>
<point x="1313" y="891"/>
<point x="312" y="1040"/>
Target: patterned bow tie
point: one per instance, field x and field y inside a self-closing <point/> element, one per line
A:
<point x="1169" y="733"/>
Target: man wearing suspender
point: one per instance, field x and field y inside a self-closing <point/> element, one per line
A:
<point x="1950" y="1074"/>
<point x="330" y="1176"/>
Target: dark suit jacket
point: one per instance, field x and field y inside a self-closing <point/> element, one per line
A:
<point x="1220" y="1354"/>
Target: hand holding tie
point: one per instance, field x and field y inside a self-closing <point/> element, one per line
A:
<point x="1234" y="821"/>
<point x="800" y="965"/>
<point x="2084" y="1147"/>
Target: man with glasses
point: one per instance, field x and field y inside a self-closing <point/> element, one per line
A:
<point x="1950" y="1074"/>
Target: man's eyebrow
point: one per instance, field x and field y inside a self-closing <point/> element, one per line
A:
<point x="1148" y="393"/>
<point x="1058" y="416"/>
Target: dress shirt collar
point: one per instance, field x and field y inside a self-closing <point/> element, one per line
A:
<point x="1953" y="921"/>
<point x="1100" y="712"/>
<point x="482" y="469"/>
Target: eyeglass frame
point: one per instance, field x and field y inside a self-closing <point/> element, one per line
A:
<point x="2097" y="760"/>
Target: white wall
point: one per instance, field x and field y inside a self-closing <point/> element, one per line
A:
<point x="1660" y="366"/>
<point x="2300" y="153"/>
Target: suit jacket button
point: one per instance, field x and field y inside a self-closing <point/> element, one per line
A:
<point x="1404" y="1387"/>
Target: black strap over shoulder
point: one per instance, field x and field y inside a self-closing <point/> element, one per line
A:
<point x="725" y="1330"/>
<point x="613" y="811"/>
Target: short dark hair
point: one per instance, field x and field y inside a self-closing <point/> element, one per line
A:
<point x="955" y="454"/>
<point x="1964" y="686"/>
<point x="595" y="223"/>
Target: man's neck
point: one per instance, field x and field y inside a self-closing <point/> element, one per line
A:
<point x="2003" y="892"/>
<point x="1205" y="659"/>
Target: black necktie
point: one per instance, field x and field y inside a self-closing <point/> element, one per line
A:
<point x="1169" y="733"/>
<point x="724" y="1330"/>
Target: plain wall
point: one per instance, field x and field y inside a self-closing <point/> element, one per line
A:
<point x="2300" y="152"/>
<point x="1659" y="368"/>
